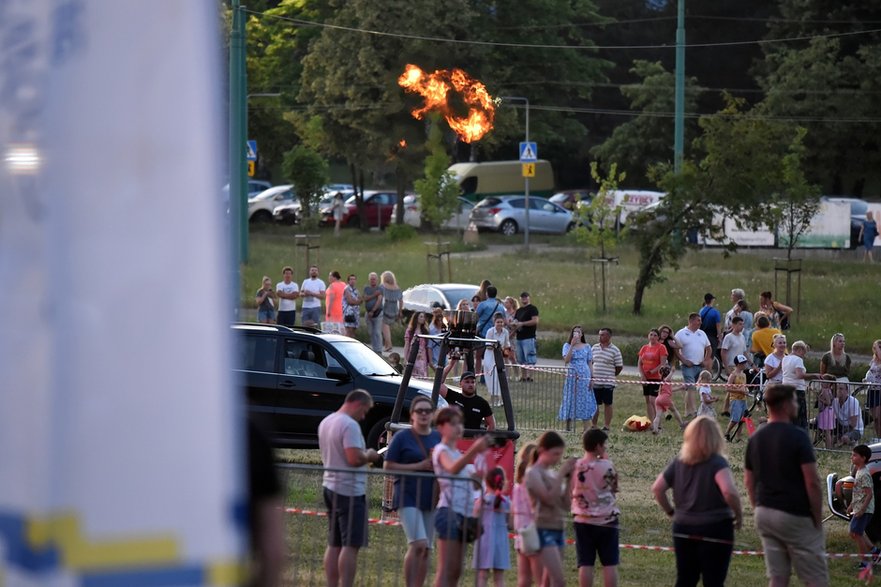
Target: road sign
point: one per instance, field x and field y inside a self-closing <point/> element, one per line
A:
<point x="528" y="152"/>
<point x="251" y="169"/>
<point x="252" y="151"/>
<point x="529" y="170"/>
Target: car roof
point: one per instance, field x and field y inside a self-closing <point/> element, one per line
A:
<point x="444" y="286"/>
<point x="273" y="190"/>
<point x="254" y="327"/>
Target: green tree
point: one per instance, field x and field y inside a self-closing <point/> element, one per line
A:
<point x="599" y="226"/>
<point x="830" y="86"/>
<point x="647" y="139"/>
<point x="308" y="172"/>
<point x="742" y="167"/>
<point x="797" y="203"/>
<point x="438" y="192"/>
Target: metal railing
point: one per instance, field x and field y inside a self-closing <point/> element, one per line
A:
<point x="831" y="427"/>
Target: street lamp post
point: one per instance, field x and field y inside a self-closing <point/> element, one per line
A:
<point x="525" y="179"/>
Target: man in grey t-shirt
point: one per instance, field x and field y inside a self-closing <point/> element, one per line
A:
<point x="373" y="311"/>
<point x="342" y="446"/>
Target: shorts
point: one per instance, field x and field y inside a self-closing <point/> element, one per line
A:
<point x="526" y="351"/>
<point x="387" y="320"/>
<point x="792" y="541"/>
<point x="650" y="389"/>
<point x="346" y="519"/>
<point x="603" y="394"/>
<point x="737" y="409"/>
<point x="591" y="540"/>
<point x="448" y="525"/>
<point x="858" y="524"/>
<point x="265" y="315"/>
<point x="310" y="315"/>
<point x="417" y="524"/>
<point x="873" y="398"/>
<point x="690" y="374"/>
<point x="287" y="318"/>
<point x="548" y="537"/>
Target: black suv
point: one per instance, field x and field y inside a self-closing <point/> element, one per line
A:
<point x="296" y="376"/>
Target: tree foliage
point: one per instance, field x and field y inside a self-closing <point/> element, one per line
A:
<point x="438" y="191"/>
<point x="599" y="227"/>
<point x="646" y="139"/>
<point x="830" y="85"/>
<point x="308" y="172"/>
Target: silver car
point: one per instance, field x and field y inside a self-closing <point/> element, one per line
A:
<point x="507" y="214"/>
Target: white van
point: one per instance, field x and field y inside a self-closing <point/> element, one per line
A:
<point x="632" y="201"/>
<point x="499" y="178"/>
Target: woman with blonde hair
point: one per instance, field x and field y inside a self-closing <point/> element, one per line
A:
<point x="836" y="362"/>
<point x="392" y="306"/>
<point x="529" y="569"/>
<point x="708" y="508"/>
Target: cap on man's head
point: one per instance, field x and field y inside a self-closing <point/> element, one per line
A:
<point x="524" y="294"/>
<point x="466" y="375"/>
<point x="739" y="359"/>
<point x="708" y="297"/>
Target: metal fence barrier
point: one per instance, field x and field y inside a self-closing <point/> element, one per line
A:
<point x="830" y="426"/>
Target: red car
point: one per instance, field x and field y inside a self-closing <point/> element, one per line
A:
<point x="377" y="210"/>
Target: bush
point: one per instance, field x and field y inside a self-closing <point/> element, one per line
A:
<point x="400" y="232"/>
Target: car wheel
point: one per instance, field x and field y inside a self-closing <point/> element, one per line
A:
<point x="261" y="217"/>
<point x="570" y="227"/>
<point x="508" y="228"/>
<point x="354" y="222"/>
<point x="377" y="437"/>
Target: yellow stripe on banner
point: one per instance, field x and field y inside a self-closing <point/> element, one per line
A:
<point x="227" y="573"/>
<point x="78" y="553"/>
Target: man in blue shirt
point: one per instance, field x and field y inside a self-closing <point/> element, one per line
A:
<point x="485" y="311"/>
<point x="711" y="322"/>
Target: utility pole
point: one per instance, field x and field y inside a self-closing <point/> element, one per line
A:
<point x="238" y="178"/>
<point x="679" y="119"/>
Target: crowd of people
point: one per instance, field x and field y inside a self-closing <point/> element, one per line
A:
<point x="448" y="496"/>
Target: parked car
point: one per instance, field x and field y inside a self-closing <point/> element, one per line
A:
<point x="572" y="199"/>
<point x="377" y="210"/>
<point x="261" y="206"/>
<point x="255" y="186"/>
<point x="858" y="209"/>
<point x="287" y="213"/>
<point x="507" y="214"/>
<point x="413" y="213"/>
<point x="294" y="377"/>
<point x="426" y="297"/>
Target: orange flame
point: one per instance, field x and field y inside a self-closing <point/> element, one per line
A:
<point x="437" y="87"/>
<point x="402" y="143"/>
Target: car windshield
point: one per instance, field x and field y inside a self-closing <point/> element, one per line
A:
<point x="364" y="360"/>
<point x="488" y="203"/>
<point x="455" y="295"/>
<point x="559" y="198"/>
<point x="858" y="208"/>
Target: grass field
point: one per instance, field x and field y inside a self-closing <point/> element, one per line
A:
<point x="639" y="457"/>
<point x="837" y="295"/>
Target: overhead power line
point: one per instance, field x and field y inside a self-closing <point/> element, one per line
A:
<point x="301" y="22"/>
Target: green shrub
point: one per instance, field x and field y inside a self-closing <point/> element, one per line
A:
<point x="400" y="232"/>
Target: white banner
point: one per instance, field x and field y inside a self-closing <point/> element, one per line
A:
<point x="120" y="458"/>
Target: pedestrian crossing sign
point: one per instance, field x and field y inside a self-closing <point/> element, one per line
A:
<point x="528" y="152"/>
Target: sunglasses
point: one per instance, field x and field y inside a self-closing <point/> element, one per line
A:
<point x="423" y="411"/>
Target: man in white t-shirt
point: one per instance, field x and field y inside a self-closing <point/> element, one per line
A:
<point x="794" y="374"/>
<point x="847" y="413"/>
<point x="733" y="344"/>
<point x="342" y="445"/>
<point x="288" y="292"/>
<point x="695" y="354"/>
<point x="312" y="292"/>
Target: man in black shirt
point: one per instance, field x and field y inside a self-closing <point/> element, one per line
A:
<point x="475" y="409"/>
<point x="525" y="323"/>
<point x="784" y="489"/>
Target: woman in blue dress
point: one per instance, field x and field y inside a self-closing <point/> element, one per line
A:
<point x="579" y="402"/>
